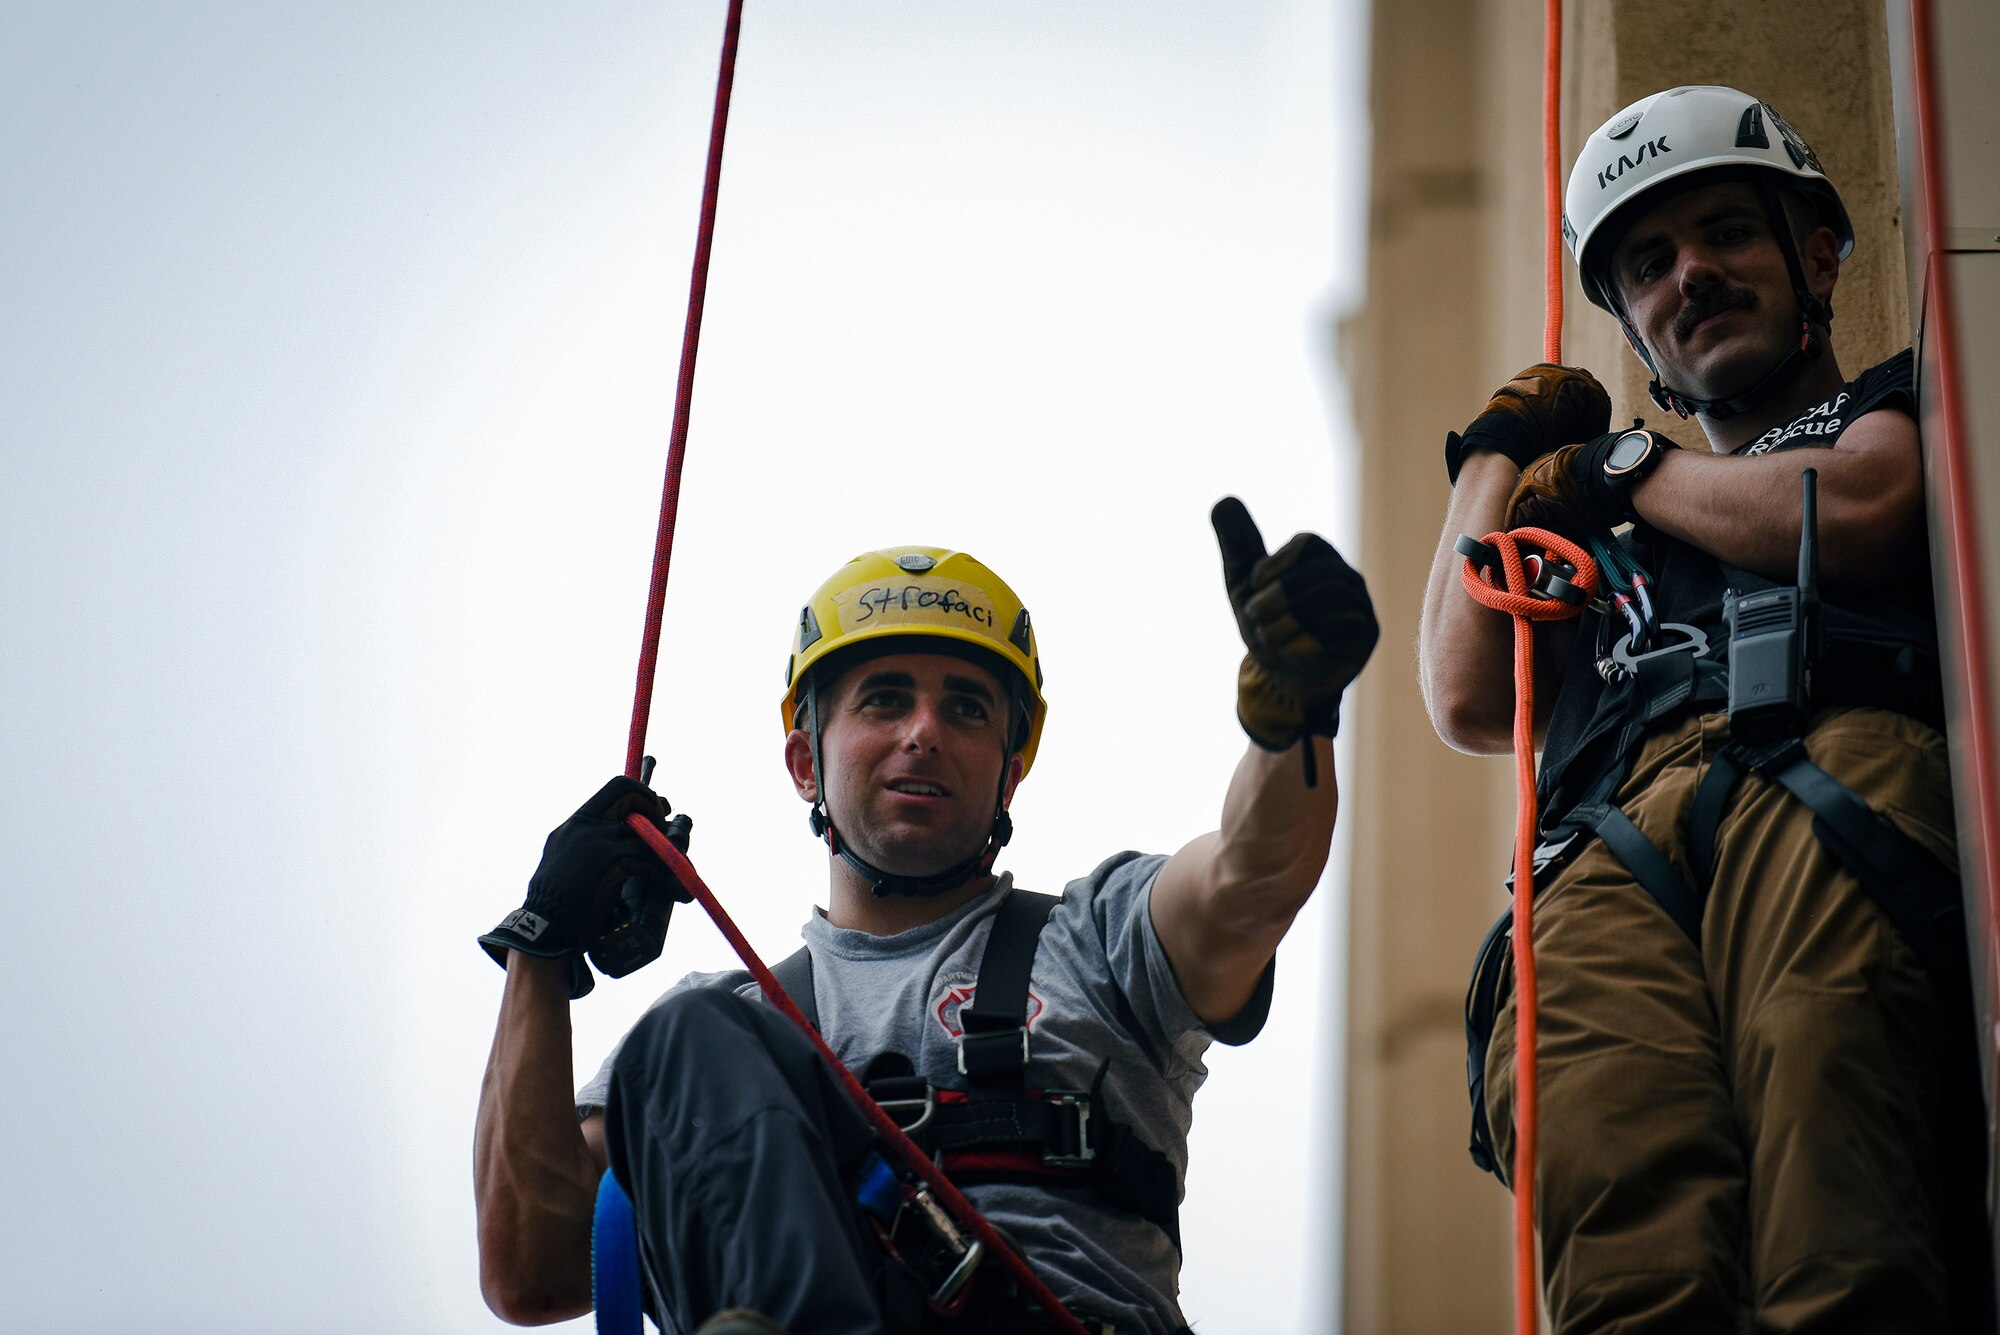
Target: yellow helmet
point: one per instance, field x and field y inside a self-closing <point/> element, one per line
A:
<point x="947" y="600"/>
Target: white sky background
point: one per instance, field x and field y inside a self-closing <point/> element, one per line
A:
<point x="336" y="373"/>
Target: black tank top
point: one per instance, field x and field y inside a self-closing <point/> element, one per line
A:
<point x="1900" y="625"/>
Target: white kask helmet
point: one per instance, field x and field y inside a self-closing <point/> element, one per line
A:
<point x="1665" y="138"/>
<point x="1670" y="135"/>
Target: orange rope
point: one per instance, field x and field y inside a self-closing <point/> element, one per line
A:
<point x="1526" y="609"/>
<point x="1552" y="200"/>
<point x="1513" y="598"/>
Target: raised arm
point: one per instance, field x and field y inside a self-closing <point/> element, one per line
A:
<point x="1222" y="903"/>
<point x="534" y="1173"/>
<point x="535" y="1170"/>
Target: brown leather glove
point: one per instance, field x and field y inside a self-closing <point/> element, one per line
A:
<point x="1307" y="622"/>
<point x="1543" y="408"/>
<point x="1568" y="491"/>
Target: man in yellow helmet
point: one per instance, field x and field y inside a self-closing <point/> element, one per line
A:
<point x="1045" y="1050"/>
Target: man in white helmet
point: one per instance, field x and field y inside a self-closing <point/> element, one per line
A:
<point x="1756" y="1091"/>
<point x="1046" y="1050"/>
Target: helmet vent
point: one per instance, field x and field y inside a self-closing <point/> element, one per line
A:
<point x="808" y="629"/>
<point x="1624" y="125"/>
<point x="1750" y="130"/>
<point x="915" y="562"/>
<point x="1018" y="637"/>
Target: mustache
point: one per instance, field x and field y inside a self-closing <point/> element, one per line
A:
<point x="1712" y="301"/>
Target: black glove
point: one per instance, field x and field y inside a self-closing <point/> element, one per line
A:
<point x="1567" y="491"/>
<point x="597" y="881"/>
<point x="1543" y="408"/>
<point x="1307" y="622"/>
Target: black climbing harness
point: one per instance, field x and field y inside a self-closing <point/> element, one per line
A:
<point x="1774" y="669"/>
<point x="997" y="1128"/>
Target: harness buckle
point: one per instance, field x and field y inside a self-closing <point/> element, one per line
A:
<point x="1069" y="1130"/>
<point x="968" y="1253"/>
<point x="1693" y="641"/>
<point x="911" y="1103"/>
<point x="1553" y="851"/>
<point x="992" y="1051"/>
<point x="1553" y="578"/>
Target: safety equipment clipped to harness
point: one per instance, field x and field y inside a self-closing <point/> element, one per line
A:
<point x="997" y="1128"/>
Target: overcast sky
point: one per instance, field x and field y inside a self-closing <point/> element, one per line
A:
<point x="336" y="373"/>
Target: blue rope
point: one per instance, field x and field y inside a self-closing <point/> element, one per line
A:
<point x="614" y="1261"/>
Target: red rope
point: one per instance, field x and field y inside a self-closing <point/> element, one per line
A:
<point x="1513" y="598"/>
<point x="1955" y="479"/>
<point x="906" y="1149"/>
<point x="670" y="499"/>
<point x="948" y="1195"/>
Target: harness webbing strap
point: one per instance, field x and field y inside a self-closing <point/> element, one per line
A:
<point x="1918" y="892"/>
<point x="1915" y="890"/>
<point x="965" y="1127"/>
<point x="993" y="1043"/>
<point x="1711" y="795"/>
<point x="1650" y="868"/>
<point x="795" y="974"/>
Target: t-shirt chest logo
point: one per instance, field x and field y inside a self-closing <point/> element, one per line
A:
<point x="959" y="995"/>
<point x="1825" y="420"/>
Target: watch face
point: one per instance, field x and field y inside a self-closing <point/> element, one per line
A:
<point x="1628" y="451"/>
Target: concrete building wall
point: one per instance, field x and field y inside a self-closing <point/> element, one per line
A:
<point x="1454" y="308"/>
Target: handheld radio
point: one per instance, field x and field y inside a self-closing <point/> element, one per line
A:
<point x="1773" y="640"/>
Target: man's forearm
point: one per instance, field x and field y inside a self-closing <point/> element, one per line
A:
<point x="1745" y="511"/>
<point x="1223" y="903"/>
<point x="1465" y="652"/>
<point x="1272" y="843"/>
<point x="534" y="1175"/>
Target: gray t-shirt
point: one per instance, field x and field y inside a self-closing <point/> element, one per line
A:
<point x="1101" y="988"/>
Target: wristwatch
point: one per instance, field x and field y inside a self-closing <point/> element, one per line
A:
<point x="1632" y="455"/>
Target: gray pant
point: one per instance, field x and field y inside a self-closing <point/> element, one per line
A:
<point x="739" y="1152"/>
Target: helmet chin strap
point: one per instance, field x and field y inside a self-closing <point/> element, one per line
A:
<point x="884" y="883"/>
<point x="1814" y="315"/>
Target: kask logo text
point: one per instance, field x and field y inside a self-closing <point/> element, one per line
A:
<point x="1652" y="148"/>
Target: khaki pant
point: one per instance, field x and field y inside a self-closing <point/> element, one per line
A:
<point x="1740" y="1137"/>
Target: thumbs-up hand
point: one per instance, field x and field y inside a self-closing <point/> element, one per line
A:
<point x="1306" y="620"/>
